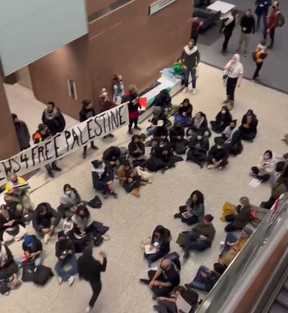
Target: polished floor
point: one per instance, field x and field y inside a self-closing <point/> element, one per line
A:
<point x="131" y="219"/>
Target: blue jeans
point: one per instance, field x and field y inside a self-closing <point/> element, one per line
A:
<point x="272" y="179"/>
<point x="199" y="282"/>
<point x="231" y="238"/>
<point x="68" y="261"/>
<point x="193" y="77"/>
<point x="154" y="257"/>
<point x="191" y="242"/>
<point x="149" y="131"/>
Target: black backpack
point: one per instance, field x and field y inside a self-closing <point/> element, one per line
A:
<point x="28" y="272"/>
<point x="281" y="20"/>
<point x="95" y="203"/>
<point x="42" y="274"/>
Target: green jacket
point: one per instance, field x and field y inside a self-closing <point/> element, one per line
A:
<point x="177" y="68"/>
<point x="278" y="189"/>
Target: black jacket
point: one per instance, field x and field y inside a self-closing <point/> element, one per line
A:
<point x="225" y="118"/>
<point x="35" y="247"/>
<point x="132" y="99"/>
<point x="158" y="151"/>
<point x="175" y="132"/>
<point x="86" y="114"/>
<point x="190" y="58"/>
<point x="55" y="125"/>
<point x="62" y="246"/>
<point x="89" y="268"/>
<point x="203" y="144"/>
<point x="11" y="216"/>
<point x="10" y="258"/>
<point x="203" y="127"/>
<point x="160" y="131"/>
<point x="132" y="147"/>
<point x="163" y="99"/>
<point x="164" y="245"/>
<point x="111" y="154"/>
<point x="185" y="109"/>
<point x="252" y="126"/>
<point x="247" y="22"/>
<point x="227" y="29"/>
<point x="217" y="154"/>
<point x="107" y="176"/>
<point x="44" y="221"/>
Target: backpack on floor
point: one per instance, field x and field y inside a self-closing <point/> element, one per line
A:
<point x="281" y="20"/>
<point x="42" y="274"/>
<point x="180" y="148"/>
<point x="192" y="298"/>
<point x="27" y="272"/>
<point x="95" y="203"/>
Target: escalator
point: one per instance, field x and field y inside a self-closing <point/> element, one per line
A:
<point x="280" y="304"/>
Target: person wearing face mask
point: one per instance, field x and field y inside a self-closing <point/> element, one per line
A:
<point x="241" y="216"/>
<point x="53" y="119"/>
<point x="190" y="58"/>
<point x="176" y="135"/>
<point x="22" y="132"/>
<point x="232" y="137"/>
<point x="198" y="126"/>
<point x="160" y="133"/>
<point x="273" y="21"/>
<point x="228" y="132"/>
<point x="261" y="11"/>
<point x="105" y="104"/>
<point x="227" y="27"/>
<point x="265" y="167"/>
<point x="118" y="88"/>
<point x="232" y="77"/>
<point x="222" y="120"/>
<point x="218" y="155"/>
<point x="247" y="24"/>
<point x="68" y="201"/>
<point x="198" y="148"/>
<point x="248" y="126"/>
<point x="184" y="113"/>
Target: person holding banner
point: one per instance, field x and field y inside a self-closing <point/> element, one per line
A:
<point x="53" y="118"/>
<point x="42" y="134"/>
<point x="87" y="112"/>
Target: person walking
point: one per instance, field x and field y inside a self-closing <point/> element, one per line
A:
<point x="90" y="270"/>
<point x="22" y="132"/>
<point x="261" y="11"/>
<point x="227" y="28"/>
<point x="273" y="21"/>
<point x="258" y="56"/>
<point x="232" y="77"/>
<point x="247" y="24"/>
<point x="87" y="112"/>
<point x="195" y="28"/>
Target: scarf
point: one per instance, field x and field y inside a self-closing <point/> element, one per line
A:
<point x="198" y="122"/>
<point x="100" y="171"/>
<point x="229" y="134"/>
<point x="229" y="21"/>
<point x="3" y="254"/>
<point x="51" y="115"/>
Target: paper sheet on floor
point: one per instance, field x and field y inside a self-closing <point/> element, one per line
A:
<point x="255" y="183"/>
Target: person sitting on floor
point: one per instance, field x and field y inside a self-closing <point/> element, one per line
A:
<point x="17" y="194"/>
<point x="176" y="135"/>
<point x="265" y="167"/>
<point x="222" y="120"/>
<point x="162" y="157"/>
<point x="65" y="252"/>
<point x="198" y="148"/>
<point x="193" y="211"/>
<point x="201" y="236"/>
<point x="228" y="132"/>
<point x="233" y="246"/>
<point x="198" y="126"/>
<point x="111" y="155"/>
<point x="163" y="281"/>
<point x="128" y="178"/>
<point x="163" y="100"/>
<point x="184" y="113"/>
<point x="102" y="178"/>
<point x="68" y="201"/>
<point x="160" y="133"/>
<point x="32" y="251"/>
<point x="241" y="216"/>
<point x="44" y="221"/>
<point x="249" y="126"/>
<point x="153" y="124"/>
<point x="136" y="150"/>
<point x="218" y="155"/>
<point x="12" y="226"/>
<point x="8" y="267"/>
<point x="206" y="279"/>
<point x="160" y="243"/>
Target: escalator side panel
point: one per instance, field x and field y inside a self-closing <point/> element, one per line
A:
<point x="282" y="298"/>
<point x="278" y="308"/>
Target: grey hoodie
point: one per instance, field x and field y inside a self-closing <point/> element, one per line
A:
<point x="190" y="58"/>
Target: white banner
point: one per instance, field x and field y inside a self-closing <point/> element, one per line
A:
<point x="65" y="143"/>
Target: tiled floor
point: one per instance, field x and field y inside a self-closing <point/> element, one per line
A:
<point x="131" y="219"/>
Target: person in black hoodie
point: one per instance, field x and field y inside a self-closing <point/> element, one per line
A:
<point x="227" y="27"/>
<point x="65" y="252"/>
<point x="45" y="219"/>
<point x="248" y="126"/>
<point x="90" y="270"/>
<point x="218" y="155"/>
<point x="87" y="112"/>
<point x="176" y="134"/>
<point x="222" y="120"/>
<point x="163" y="100"/>
<point x="247" y="24"/>
<point x="53" y="118"/>
<point x="190" y="58"/>
<point x="198" y="148"/>
<point x="198" y="126"/>
<point x="111" y="156"/>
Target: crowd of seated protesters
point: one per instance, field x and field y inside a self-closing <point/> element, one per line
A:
<point x="163" y="281"/>
<point x="136" y="150"/>
<point x="102" y="178"/>
<point x="198" y="147"/>
<point x="12" y="226"/>
<point x="218" y="155"/>
<point x="193" y="211"/>
<point x="176" y="136"/>
<point x="248" y="126"/>
<point x="200" y="237"/>
<point x="128" y="178"/>
<point x="68" y="201"/>
<point x="241" y="216"/>
<point x="265" y="166"/>
<point x="222" y="120"/>
<point x="159" y="245"/>
<point x="44" y="221"/>
<point x="233" y="245"/>
<point x="198" y="126"/>
<point x="162" y="157"/>
<point x="184" y="114"/>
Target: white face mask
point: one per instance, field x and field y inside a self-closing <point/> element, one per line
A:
<point x="219" y="147"/>
<point x="199" y="137"/>
<point x="104" y="94"/>
<point x="161" y="145"/>
<point x="223" y="111"/>
<point x="68" y="192"/>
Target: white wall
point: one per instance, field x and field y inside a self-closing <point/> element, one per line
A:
<point x="30" y="29"/>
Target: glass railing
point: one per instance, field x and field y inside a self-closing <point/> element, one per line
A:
<point x="272" y="223"/>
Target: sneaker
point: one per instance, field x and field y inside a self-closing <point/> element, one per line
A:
<point x="220" y="168"/>
<point x="60" y="280"/>
<point x="46" y="238"/>
<point x="71" y="280"/>
<point x="113" y="193"/>
<point x="137" y="128"/>
<point x="135" y="192"/>
<point x="104" y="194"/>
<point x="7" y="293"/>
<point x="57" y="169"/>
<point x="111" y="135"/>
<point x="210" y="166"/>
<point x="130" y="131"/>
<point x="194" y="91"/>
<point x="177" y="215"/>
<point x="186" y="255"/>
<point x="163" y="170"/>
<point x="88" y="309"/>
<point x="93" y="148"/>
<point x="50" y="174"/>
<point x="84" y="155"/>
<point x="184" y="89"/>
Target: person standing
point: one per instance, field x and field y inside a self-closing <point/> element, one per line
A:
<point x="261" y="11"/>
<point x="90" y="270"/>
<point x="105" y="104"/>
<point x="273" y="21"/>
<point x="118" y="88"/>
<point x="258" y="56"/>
<point x="247" y="24"/>
<point x="53" y="118"/>
<point x="195" y="28"/>
<point x="190" y="58"/>
<point x="87" y="112"/>
<point x="22" y="132"/>
<point x="233" y="75"/>
<point x="227" y="28"/>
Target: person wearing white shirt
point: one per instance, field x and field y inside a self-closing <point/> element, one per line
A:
<point x="232" y="77"/>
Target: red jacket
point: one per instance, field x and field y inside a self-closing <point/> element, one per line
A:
<point x="273" y="19"/>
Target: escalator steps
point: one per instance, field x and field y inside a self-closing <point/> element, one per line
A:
<point x="278" y="308"/>
<point x="285" y="286"/>
<point x="282" y="298"/>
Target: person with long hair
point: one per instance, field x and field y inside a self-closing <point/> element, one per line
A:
<point x="193" y="211"/>
<point x="118" y="88"/>
<point x="198" y="126"/>
<point x="68" y="201"/>
<point x="184" y="113"/>
<point x="248" y="126"/>
<point x="227" y="27"/>
<point x="265" y="166"/>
